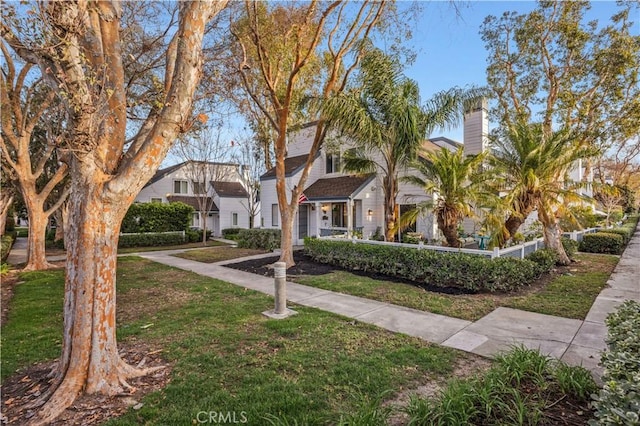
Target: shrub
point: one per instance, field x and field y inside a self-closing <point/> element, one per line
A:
<point x="157" y="217"/>
<point x="150" y="239"/>
<point x="545" y="258"/>
<point x="570" y="246"/>
<point x="10" y="224"/>
<point x="260" y="239"/>
<point x="231" y="233"/>
<point x="624" y="232"/>
<point x="602" y="242"/>
<point x="427" y="267"/>
<point x="6" y="241"/>
<point x="412" y="238"/>
<point x="618" y="402"/>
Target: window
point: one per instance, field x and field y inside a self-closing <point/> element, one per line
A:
<point x="198" y="187"/>
<point x="339" y="215"/>
<point x="333" y="163"/>
<point x="274" y="215"/>
<point x="180" y="187"/>
<point x="234" y="219"/>
<point x="195" y="220"/>
<point x="156" y="200"/>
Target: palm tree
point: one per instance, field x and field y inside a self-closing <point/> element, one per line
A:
<point x="456" y="184"/>
<point x="388" y="124"/>
<point x="533" y="166"/>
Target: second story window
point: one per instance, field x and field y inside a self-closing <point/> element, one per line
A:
<point x="199" y="187"/>
<point x="333" y="163"/>
<point x="180" y="187"/>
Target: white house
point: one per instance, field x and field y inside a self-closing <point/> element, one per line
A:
<point x="226" y="195"/>
<point x="337" y="203"/>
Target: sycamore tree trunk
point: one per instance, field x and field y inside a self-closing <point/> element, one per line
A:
<point x="90" y="360"/>
<point x="36" y="250"/>
<point x="5" y="206"/>
<point x="61" y="221"/>
<point x="553" y="235"/>
<point x="286" y="240"/>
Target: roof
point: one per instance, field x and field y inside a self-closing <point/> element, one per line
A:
<point x="229" y="189"/>
<point x="337" y="188"/>
<point x="193" y="202"/>
<point x="441" y="141"/>
<point x="168" y="170"/>
<point x="292" y="165"/>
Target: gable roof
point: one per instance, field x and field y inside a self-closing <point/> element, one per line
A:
<point x="229" y="189"/>
<point x="337" y="188"/>
<point x="292" y="165"/>
<point x="443" y="142"/>
<point x="192" y="201"/>
<point x="168" y="170"/>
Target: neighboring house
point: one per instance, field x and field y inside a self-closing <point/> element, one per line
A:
<point x="341" y="203"/>
<point x="225" y="194"/>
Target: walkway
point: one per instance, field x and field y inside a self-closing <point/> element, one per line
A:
<point x="575" y="342"/>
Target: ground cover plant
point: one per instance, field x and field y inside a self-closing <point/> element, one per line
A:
<point x="618" y="402"/>
<point x="223" y="354"/>
<point x="522" y="388"/>
<point x="567" y="291"/>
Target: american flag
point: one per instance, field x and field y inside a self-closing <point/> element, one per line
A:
<point x="302" y="198"/>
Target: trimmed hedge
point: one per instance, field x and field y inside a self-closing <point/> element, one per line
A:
<point x="602" y="242"/>
<point x="618" y="402"/>
<point x="546" y="258"/>
<point x="157" y="217"/>
<point x="259" y="239"/>
<point x="231" y="233"/>
<point x="150" y="239"/>
<point x="626" y="233"/>
<point x="6" y="241"/>
<point x="427" y="267"/>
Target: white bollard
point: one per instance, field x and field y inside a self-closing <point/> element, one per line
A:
<point x="280" y="282"/>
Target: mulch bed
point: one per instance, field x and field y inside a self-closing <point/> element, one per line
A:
<point x="307" y="266"/>
<point x="28" y="384"/>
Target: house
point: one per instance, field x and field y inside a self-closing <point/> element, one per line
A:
<point x="334" y="202"/>
<point x="222" y="203"/>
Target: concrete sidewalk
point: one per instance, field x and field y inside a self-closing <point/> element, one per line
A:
<point x="575" y="342"/>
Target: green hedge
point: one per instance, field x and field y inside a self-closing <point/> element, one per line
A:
<point x="150" y="239"/>
<point x="231" y="233"/>
<point x="602" y="242"/>
<point x="570" y="246"/>
<point x="157" y="217"/>
<point x="6" y="241"/>
<point x="618" y="402"/>
<point x="428" y="267"/>
<point x="546" y="258"/>
<point x="260" y="239"/>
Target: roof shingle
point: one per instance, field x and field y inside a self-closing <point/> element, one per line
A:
<point x="336" y="188"/>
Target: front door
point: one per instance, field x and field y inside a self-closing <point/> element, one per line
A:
<point x="303" y="221"/>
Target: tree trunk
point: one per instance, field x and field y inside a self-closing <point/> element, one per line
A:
<point x="512" y="224"/>
<point x="36" y="241"/>
<point x="553" y="235"/>
<point x="90" y="359"/>
<point x="4" y="211"/>
<point x="286" y="240"/>
<point x="450" y="232"/>
<point x="60" y="223"/>
<point x="390" y="213"/>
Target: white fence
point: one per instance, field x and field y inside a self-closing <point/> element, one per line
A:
<point x="519" y="251"/>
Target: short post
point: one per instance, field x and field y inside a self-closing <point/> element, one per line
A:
<point x="280" y="282"/>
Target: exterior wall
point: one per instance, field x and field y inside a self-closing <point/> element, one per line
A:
<point x="476" y="130"/>
<point x="300" y="143"/>
<point x="217" y="221"/>
<point x="228" y="206"/>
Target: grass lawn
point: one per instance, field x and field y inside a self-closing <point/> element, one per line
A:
<point x="226" y="356"/>
<point x="218" y="254"/>
<point x="54" y="251"/>
<point x="569" y="296"/>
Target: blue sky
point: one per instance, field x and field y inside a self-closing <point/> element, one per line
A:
<point x="450" y="51"/>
